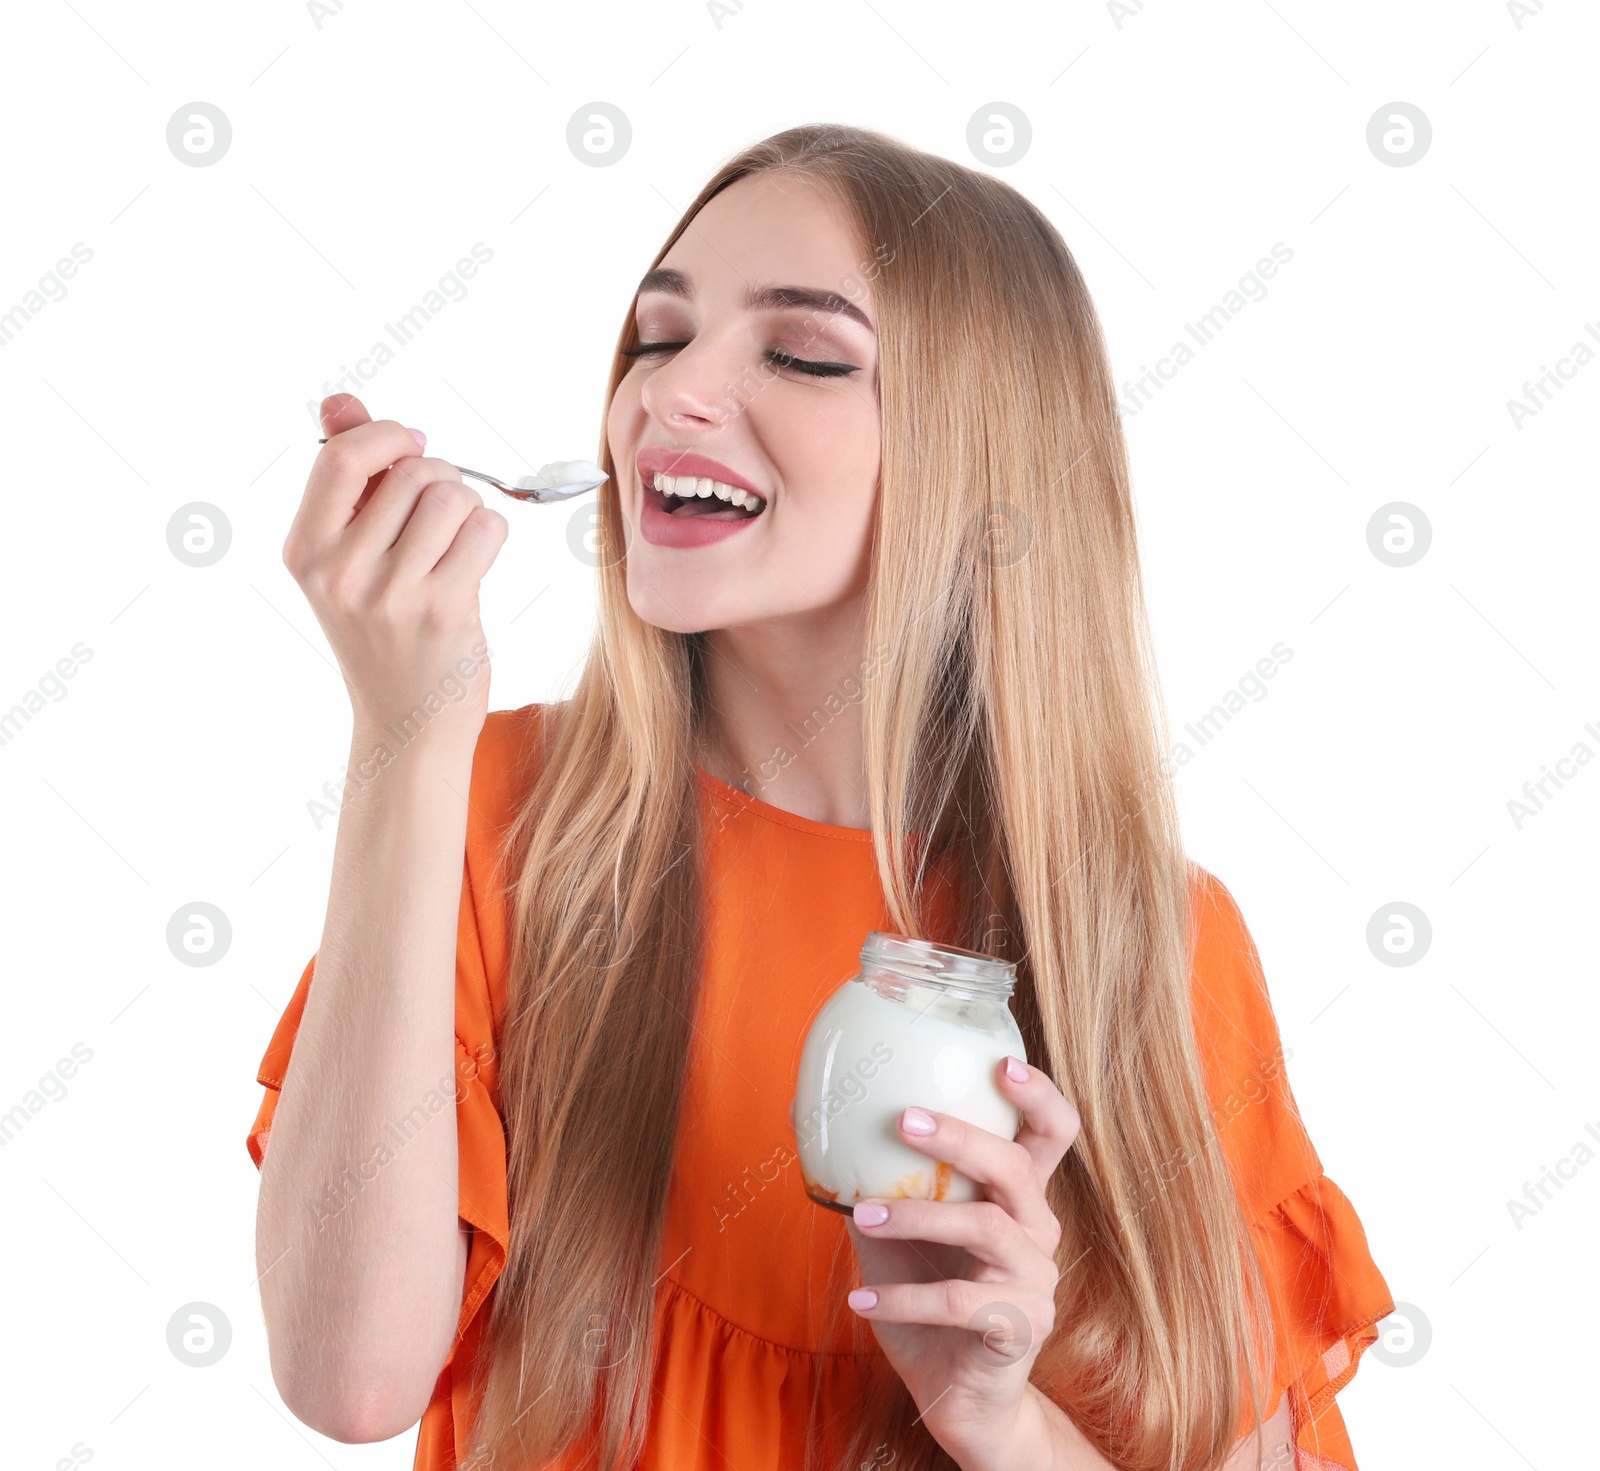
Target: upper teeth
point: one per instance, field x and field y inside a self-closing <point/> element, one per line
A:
<point x="685" y="486"/>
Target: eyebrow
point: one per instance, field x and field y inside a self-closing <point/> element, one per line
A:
<point x="760" y="298"/>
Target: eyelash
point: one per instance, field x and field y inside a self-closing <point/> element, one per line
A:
<point x="779" y="359"/>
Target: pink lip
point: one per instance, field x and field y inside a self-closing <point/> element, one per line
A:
<point x="662" y="530"/>
<point x="657" y="457"/>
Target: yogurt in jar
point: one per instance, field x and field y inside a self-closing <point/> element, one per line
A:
<point x="921" y="1024"/>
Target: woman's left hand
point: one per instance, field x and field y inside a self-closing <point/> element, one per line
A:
<point x="966" y="1291"/>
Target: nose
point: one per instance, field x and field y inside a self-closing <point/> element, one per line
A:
<point x="701" y="382"/>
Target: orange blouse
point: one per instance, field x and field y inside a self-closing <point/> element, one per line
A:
<point x="789" y="901"/>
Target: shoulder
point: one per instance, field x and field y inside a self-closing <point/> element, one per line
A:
<point x="1226" y="977"/>
<point x="504" y="764"/>
<point x="510" y="737"/>
<point x="1221" y="941"/>
<point x="1242" y="1055"/>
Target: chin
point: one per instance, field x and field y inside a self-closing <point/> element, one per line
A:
<point x="674" y="605"/>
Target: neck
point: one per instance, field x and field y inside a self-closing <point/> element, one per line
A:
<point x="784" y="714"/>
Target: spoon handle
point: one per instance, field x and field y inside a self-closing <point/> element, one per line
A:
<point x="539" y="496"/>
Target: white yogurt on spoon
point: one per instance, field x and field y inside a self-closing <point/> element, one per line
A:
<point x="562" y="478"/>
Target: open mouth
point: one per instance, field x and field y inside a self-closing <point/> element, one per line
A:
<point x="686" y="497"/>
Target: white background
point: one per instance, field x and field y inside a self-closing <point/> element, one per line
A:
<point x="372" y="149"/>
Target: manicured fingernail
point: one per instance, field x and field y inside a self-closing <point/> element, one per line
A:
<point x="870" y="1213"/>
<point x="420" y="437"/>
<point x="863" y="1297"/>
<point x="1016" y="1070"/>
<point x="918" y="1121"/>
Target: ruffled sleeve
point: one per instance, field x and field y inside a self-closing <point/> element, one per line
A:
<point x="501" y="770"/>
<point x="1328" y="1296"/>
<point x="1326" y="1290"/>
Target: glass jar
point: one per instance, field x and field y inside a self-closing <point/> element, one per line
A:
<point x="922" y="1025"/>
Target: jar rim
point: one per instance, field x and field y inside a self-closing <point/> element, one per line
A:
<point x="931" y="961"/>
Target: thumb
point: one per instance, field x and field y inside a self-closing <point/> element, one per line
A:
<point x="341" y="411"/>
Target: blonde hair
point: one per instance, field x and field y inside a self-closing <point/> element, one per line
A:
<point x="1018" y="719"/>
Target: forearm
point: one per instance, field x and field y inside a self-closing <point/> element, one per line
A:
<point x="357" y="1231"/>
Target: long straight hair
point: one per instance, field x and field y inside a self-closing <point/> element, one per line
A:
<point x="1018" y="719"/>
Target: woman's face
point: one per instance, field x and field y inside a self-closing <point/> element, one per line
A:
<point x="723" y="389"/>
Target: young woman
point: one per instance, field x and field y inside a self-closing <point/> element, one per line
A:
<point x="554" y="1210"/>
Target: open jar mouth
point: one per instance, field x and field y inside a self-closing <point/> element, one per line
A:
<point x="930" y="962"/>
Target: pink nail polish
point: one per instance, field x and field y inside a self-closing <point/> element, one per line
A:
<point x="1016" y="1070"/>
<point x="919" y="1121"/>
<point x="420" y="437"/>
<point x="863" y="1297"/>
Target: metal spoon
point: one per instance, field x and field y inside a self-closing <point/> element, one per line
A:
<point x="558" y="481"/>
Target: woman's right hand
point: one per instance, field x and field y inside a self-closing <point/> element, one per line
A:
<point x="389" y="548"/>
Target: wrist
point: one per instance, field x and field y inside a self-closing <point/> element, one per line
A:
<point x="1042" y="1438"/>
<point x="386" y="761"/>
<point x="378" y="744"/>
<point x="1029" y="1445"/>
<point x="1070" y="1448"/>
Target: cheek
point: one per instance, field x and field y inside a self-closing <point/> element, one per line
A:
<point x="624" y="412"/>
<point x="848" y="483"/>
<point x="865" y="458"/>
<point x="837" y="457"/>
<point x="830" y="540"/>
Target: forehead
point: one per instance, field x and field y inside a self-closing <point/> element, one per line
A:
<point x="771" y="227"/>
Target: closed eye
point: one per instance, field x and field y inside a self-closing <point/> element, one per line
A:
<point x="774" y="356"/>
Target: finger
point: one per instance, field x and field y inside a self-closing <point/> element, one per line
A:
<point x="473" y="551"/>
<point x="441" y="509"/>
<point x="381" y="525"/>
<point x="1050" y="1124"/>
<point x="341" y="411"/>
<point x="1004" y="1168"/>
<point x="986" y="1230"/>
<point x="1009" y="1321"/>
<point x="344" y="473"/>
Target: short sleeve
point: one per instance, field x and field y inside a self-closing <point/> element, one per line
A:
<point x="500" y="774"/>
<point x="1328" y="1296"/>
<point x="1326" y="1290"/>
